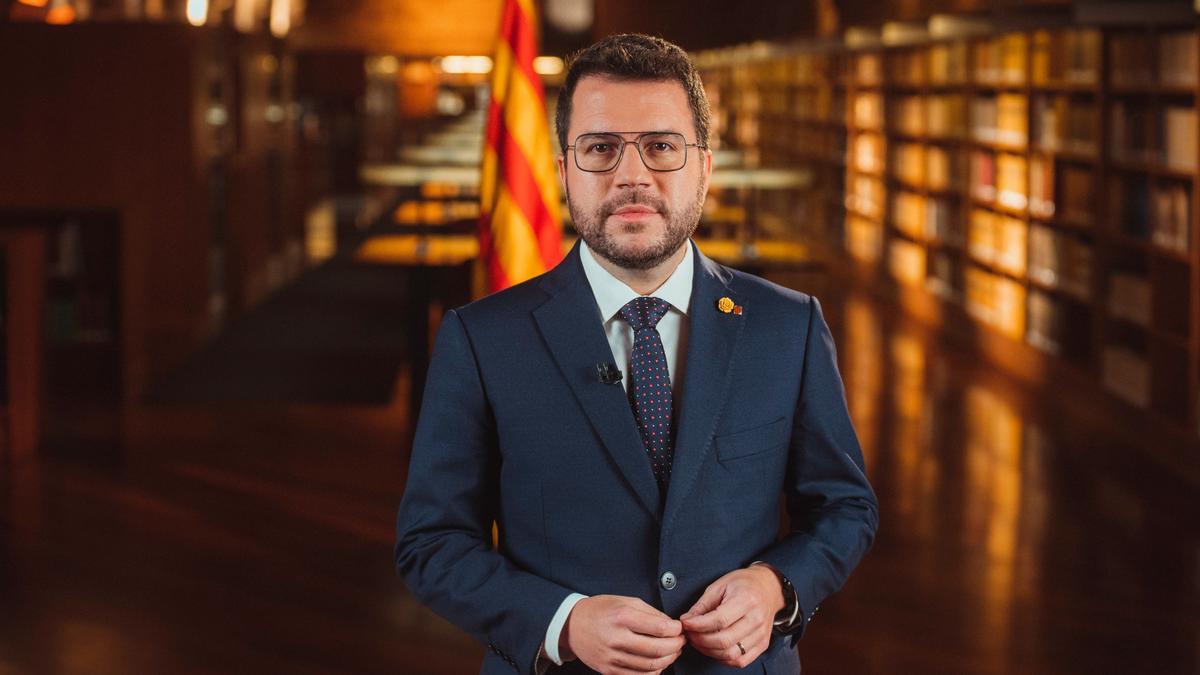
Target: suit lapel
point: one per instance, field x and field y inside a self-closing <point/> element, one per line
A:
<point x="570" y="323"/>
<point x="712" y="340"/>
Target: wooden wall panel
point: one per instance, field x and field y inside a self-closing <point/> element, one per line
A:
<point x="402" y="27"/>
<point x="102" y="117"/>
<point x="25" y="252"/>
<point x="704" y="24"/>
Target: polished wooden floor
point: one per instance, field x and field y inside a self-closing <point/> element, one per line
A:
<point x="241" y="537"/>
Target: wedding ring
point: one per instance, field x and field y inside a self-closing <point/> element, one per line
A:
<point x="743" y="649"/>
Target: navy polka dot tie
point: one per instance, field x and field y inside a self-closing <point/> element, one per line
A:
<point x="650" y="383"/>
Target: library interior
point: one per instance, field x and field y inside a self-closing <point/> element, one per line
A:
<point x="230" y="230"/>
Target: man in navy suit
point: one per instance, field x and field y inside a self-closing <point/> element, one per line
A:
<point x="630" y="420"/>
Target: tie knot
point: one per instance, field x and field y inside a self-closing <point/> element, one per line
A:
<point x="644" y="312"/>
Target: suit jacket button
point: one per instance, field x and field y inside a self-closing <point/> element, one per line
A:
<point x="668" y="580"/>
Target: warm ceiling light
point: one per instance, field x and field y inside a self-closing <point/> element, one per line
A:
<point x="281" y="17"/>
<point x="547" y="65"/>
<point x="34" y="3"/>
<point x="460" y="65"/>
<point x="197" y="12"/>
<point x="245" y="15"/>
<point x="61" y="15"/>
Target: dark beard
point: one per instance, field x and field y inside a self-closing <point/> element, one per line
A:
<point x="679" y="227"/>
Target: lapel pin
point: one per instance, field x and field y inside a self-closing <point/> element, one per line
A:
<point x="725" y="305"/>
<point x="737" y="309"/>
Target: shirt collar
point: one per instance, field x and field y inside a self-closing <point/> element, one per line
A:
<point x="612" y="294"/>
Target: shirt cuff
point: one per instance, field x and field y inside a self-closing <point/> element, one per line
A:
<point x="554" y="630"/>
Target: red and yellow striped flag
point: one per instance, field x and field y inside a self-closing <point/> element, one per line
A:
<point x="520" y="223"/>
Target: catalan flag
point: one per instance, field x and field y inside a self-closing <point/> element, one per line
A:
<point x="520" y="223"/>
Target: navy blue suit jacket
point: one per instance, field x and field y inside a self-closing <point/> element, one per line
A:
<point x="517" y="428"/>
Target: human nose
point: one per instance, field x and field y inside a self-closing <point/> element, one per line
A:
<point x="631" y="171"/>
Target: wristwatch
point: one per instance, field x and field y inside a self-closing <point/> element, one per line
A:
<point x="785" y="617"/>
<point x="791" y="605"/>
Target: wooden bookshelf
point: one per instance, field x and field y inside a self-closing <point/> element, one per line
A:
<point x="785" y="108"/>
<point x="1041" y="184"/>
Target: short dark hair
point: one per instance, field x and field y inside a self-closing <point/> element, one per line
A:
<point x="633" y="56"/>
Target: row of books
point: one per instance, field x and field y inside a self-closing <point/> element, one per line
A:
<point x="1001" y="119"/>
<point x="908" y="68"/>
<point x="1046" y="323"/>
<point x="998" y="241"/>
<point x="1063" y="123"/>
<point x="925" y="219"/>
<point x="937" y="116"/>
<point x="865" y="196"/>
<point x="820" y="105"/>
<point x="1180" y="138"/>
<point x="816" y="142"/>
<point x="867" y="153"/>
<point x="1067" y="56"/>
<point x="1129" y="297"/>
<point x="945" y="278"/>
<point x="1060" y="261"/>
<point x="907" y="115"/>
<point x="1001" y="60"/>
<point x="947" y="116"/>
<point x="815" y="69"/>
<point x="1000" y="178"/>
<point x="1040" y="318"/>
<point x="1050" y="258"/>
<point x="1177" y="59"/>
<point x="1126" y="374"/>
<point x="867" y="111"/>
<point x="1159" y="212"/>
<point x="770" y="100"/>
<point x="906" y="262"/>
<point x="774" y="72"/>
<point x="929" y="166"/>
<point x="946" y="169"/>
<point x="995" y="300"/>
<point x="867" y="69"/>
<point x="948" y="63"/>
<point x="1133" y="132"/>
<point x="1067" y="193"/>
<point x="864" y="238"/>
<point x="1138" y="59"/>
<point x="909" y="163"/>
<point x="1142" y="133"/>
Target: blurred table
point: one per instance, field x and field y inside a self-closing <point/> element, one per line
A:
<point x="414" y="175"/>
<point x="453" y="250"/>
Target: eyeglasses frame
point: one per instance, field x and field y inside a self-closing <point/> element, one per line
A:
<point x="637" y="143"/>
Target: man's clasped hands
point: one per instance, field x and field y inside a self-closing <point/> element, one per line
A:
<point x="731" y="623"/>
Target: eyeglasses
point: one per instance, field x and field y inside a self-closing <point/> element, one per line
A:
<point x="660" y="151"/>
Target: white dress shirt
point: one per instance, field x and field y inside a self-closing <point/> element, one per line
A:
<point x="611" y="295"/>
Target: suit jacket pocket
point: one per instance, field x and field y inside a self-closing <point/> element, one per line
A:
<point x="752" y="441"/>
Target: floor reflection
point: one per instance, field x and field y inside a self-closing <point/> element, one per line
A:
<point x="1002" y="547"/>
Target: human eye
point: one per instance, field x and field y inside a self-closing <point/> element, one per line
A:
<point x="598" y="146"/>
<point x="660" y="144"/>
